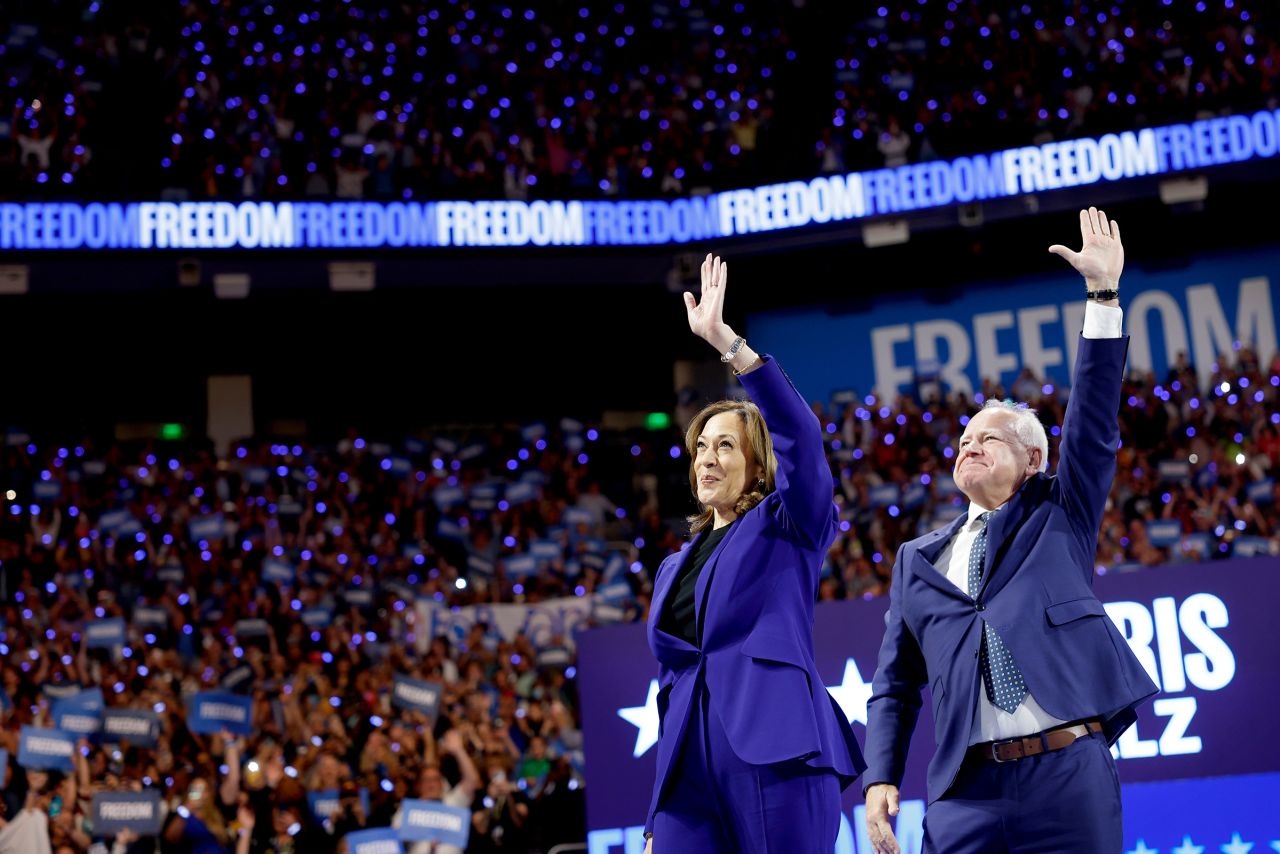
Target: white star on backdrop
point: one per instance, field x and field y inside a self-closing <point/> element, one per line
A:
<point x="1188" y="847"/>
<point x="645" y="720"/>
<point x="1276" y="844"/>
<point x="1237" y="845"/>
<point x="852" y="693"/>
<point x="1143" y="849"/>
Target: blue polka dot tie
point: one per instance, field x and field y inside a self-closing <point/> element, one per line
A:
<point x="1000" y="675"/>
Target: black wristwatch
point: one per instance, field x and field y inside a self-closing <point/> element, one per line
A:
<point x="1102" y="296"/>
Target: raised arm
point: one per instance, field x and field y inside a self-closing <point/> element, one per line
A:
<point x="803" y="479"/>
<point x="1091" y="428"/>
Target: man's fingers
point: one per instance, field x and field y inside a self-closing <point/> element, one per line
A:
<point x="1086" y="224"/>
<point x="893" y="802"/>
<point x="689" y="302"/>
<point x="1103" y="224"/>
<point x="882" y="838"/>
<point x="1064" y="252"/>
<point x="724" y="274"/>
<point x="1115" y="229"/>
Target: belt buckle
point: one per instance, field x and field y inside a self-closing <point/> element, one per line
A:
<point x="995" y="750"/>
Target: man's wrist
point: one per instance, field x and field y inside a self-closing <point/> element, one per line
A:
<point x="1102" y="284"/>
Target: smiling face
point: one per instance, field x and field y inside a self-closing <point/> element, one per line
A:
<point x="992" y="462"/>
<point x="722" y="463"/>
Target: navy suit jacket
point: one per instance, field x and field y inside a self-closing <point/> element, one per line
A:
<point x="756" y="595"/>
<point x="1036" y="592"/>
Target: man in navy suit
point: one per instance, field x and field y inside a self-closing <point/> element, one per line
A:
<point x="1030" y="680"/>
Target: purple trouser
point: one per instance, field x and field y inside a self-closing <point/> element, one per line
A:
<point x="714" y="802"/>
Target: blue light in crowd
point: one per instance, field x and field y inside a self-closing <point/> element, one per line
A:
<point x="541" y="444"/>
<point x="582" y="459"/>
<point x="579" y="591"/>
<point x="512" y="465"/>
<point x="592" y="435"/>
<point x="635" y="450"/>
<point x="385" y="465"/>
<point x="675" y="452"/>
<point x="517" y="589"/>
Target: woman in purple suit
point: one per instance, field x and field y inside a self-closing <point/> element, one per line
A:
<point x="753" y="752"/>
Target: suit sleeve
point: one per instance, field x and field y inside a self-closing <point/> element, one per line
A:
<point x="803" y="478"/>
<point x="895" y="701"/>
<point x="1091" y="436"/>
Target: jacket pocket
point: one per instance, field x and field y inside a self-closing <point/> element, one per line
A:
<point x="1074" y="609"/>
<point x="774" y="646"/>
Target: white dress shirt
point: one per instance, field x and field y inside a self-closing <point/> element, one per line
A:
<point x="993" y="723"/>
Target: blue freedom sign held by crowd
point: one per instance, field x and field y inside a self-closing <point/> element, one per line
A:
<point x="136" y="726"/>
<point x="211" y="712"/>
<point x="432" y="821"/>
<point x="417" y="695"/>
<point x="382" y="840"/>
<point x="52" y="749"/>
<point x="104" y="634"/>
<point x="327" y="803"/>
<point x="138" y="812"/>
<point x="78" y="715"/>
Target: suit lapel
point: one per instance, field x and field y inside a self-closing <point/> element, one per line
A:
<point x="1000" y="532"/>
<point x="668" y="572"/>
<point x="927" y="551"/>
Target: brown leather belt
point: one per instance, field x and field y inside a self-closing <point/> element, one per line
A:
<point x="1014" y="749"/>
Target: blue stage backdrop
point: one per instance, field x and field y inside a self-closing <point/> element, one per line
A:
<point x="996" y="329"/>
<point x="1195" y="777"/>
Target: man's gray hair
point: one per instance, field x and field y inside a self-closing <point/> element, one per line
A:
<point x="1027" y="426"/>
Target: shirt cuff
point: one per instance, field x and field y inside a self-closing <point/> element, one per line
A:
<point x="1102" y="321"/>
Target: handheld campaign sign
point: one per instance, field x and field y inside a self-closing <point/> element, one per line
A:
<point x="135" y="811"/>
<point x="255" y="627"/>
<point x="46" y="490"/>
<point x="1165" y="532"/>
<point x="61" y="690"/>
<point x="76" y="718"/>
<point x="210" y="712"/>
<point x="45" y="748"/>
<point x="136" y="726"/>
<point x="210" y="527"/>
<point x="238" y="679"/>
<point x="317" y="618"/>
<point x="432" y="821"/>
<point x="408" y="693"/>
<point x="278" y="571"/>
<point x="382" y="840"/>
<point x="520" y="566"/>
<point x="171" y="573"/>
<point x="150" y="617"/>
<point x="327" y="802"/>
<point x="104" y="634"/>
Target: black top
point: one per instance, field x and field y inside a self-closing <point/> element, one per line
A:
<point x="679" y="617"/>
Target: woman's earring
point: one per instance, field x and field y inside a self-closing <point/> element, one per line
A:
<point x="760" y="485"/>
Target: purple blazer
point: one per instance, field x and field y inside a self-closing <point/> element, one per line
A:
<point x="759" y="588"/>
<point x="1036" y="592"/>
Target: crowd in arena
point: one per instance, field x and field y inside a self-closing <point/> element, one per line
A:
<point x="350" y="552"/>
<point x="463" y="100"/>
